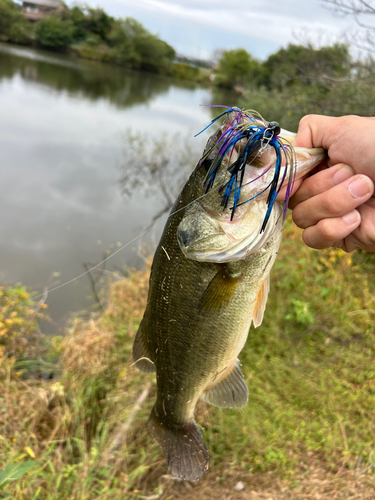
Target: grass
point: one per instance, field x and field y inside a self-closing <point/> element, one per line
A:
<point x="310" y="367"/>
<point x="308" y="427"/>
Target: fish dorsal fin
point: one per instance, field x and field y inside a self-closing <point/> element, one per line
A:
<point x="219" y="291"/>
<point x="230" y="391"/>
<point x="141" y="355"/>
<point x="260" y="303"/>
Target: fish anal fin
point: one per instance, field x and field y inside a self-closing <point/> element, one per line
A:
<point x="141" y="356"/>
<point x="230" y="389"/>
<point x="183" y="447"/>
<point x="219" y="291"/>
<point x="260" y="303"/>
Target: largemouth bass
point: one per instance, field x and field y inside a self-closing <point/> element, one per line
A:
<point x="210" y="279"/>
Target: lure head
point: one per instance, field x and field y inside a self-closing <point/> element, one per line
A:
<point x="244" y="166"/>
<point x="274" y="127"/>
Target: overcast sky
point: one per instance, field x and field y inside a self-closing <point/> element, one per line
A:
<point x="198" y="27"/>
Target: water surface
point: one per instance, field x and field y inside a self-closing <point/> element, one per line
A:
<point x="62" y="125"/>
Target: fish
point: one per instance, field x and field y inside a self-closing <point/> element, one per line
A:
<point x="210" y="278"/>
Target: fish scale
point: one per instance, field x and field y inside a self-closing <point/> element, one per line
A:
<point x="199" y="311"/>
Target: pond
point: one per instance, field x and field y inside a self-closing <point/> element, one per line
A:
<point x="64" y="144"/>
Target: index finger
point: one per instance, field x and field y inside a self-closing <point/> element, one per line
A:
<point x="348" y="139"/>
<point x="317" y="131"/>
<point x="297" y="183"/>
<point x="321" y="182"/>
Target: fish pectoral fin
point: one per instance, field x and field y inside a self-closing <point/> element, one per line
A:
<point x="230" y="391"/>
<point x="183" y="447"/>
<point x="141" y="356"/>
<point x="219" y="291"/>
<point x="260" y="303"/>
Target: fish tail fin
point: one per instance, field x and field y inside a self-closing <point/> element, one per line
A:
<point x="183" y="446"/>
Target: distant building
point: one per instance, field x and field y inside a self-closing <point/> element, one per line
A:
<point x="36" y="9"/>
<point x="194" y="61"/>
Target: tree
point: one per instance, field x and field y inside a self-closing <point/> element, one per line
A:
<point x="364" y="15"/>
<point x="236" y="67"/>
<point x="13" y="24"/>
<point x="77" y="16"/>
<point x="98" y="22"/>
<point x="134" y="46"/>
<point x="300" y="65"/>
<point x="54" y="32"/>
<point x="353" y="7"/>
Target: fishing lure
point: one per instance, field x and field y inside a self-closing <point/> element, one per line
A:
<point x="258" y="135"/>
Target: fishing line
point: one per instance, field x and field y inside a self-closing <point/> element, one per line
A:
<point x="119" y="250"/>
<point x="264" y="142"/>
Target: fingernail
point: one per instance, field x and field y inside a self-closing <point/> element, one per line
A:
<point x="359" y="187"/>
<point x="351" y="218"/>
<point x="342" y="174"/>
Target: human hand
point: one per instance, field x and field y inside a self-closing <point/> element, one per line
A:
<point x="336" y="205"/>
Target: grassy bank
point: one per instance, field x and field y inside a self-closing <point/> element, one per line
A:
<point x="307" y="431"/>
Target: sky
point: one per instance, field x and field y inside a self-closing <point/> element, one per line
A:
<point x="197" y="28"/>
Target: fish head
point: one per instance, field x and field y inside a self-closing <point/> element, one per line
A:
<point x="210" y="229"/>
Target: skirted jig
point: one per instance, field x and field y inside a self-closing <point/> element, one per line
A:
<point x="258" y="134"/>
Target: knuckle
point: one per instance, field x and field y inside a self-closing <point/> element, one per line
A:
<point x="309" y="238"/>
<point x="329" y="204"/>
<point x="306" y="122"/>
<point x="370" y="237"/>
<point x="311" y="188"/>
<point x="298" y="217"/>
<point x="326" y="230"/>
<point x="307" y="119"/>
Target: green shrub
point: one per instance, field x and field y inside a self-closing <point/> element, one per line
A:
<point x="134" y="46"/>
<point x="95" y="52"/>
<point x="184" y="71"/>
<point x="236" y="67"/>
<point x="305" y="65"/>
<point x="19" y="317"/>
<point x="14" y="26"/>
<point x="20" y="32"/>
<point x="54" y="33"/>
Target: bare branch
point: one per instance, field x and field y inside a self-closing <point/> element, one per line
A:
<point x="367" y="468"/>
<point x="93" y="287"/>
<point x="351" y="7"/>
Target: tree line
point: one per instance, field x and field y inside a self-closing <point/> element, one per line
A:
<point x="90" y="32"/>
<point x="300" y="79"/>
<point x="295" y="80"/>
<point x="295" y="65"/>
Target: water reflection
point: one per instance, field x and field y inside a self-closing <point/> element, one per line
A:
<point x="62" y="126"/>
<point x="157" y="167"/>
<point x="91" y="81"/>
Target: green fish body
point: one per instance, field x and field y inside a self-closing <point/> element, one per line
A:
<point x="202" y="300"/>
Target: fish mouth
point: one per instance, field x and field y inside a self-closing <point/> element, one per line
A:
<point x="209" y="235"/>
<point x="241" y="213"/>
<point x="198" y="231"/>
<point x="205" y="238"/>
